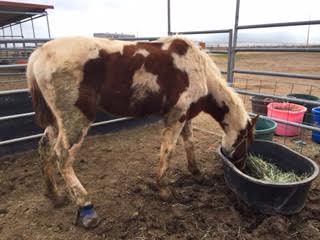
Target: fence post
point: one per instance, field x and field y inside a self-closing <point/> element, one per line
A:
<point x="229" y="70"/>
<point x="234" y="41"/>
<point x="169" y="17"/>
<point x="48" y="26"/>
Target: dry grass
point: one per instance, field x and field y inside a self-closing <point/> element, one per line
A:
<point x="260" y="168"/>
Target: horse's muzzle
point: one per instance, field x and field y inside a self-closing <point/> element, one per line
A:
<point x="240" y="163"/>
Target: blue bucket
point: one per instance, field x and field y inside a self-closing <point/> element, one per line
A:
<point x="316" y="122"/>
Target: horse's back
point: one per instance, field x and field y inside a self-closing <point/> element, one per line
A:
<point x="125" y="78"/>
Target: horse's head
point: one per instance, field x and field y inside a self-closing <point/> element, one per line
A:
<point x="236" y="149"/>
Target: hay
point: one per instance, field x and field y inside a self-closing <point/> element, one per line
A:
<point x="259" y="168"/>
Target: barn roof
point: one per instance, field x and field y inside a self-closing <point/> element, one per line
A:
<point x="11" y="12"/>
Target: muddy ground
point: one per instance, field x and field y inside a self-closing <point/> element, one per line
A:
<point x="118" y="170"/>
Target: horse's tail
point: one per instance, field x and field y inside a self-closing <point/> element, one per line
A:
<point x="43" y="114"/>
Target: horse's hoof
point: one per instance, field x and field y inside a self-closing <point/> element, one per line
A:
<point x="87" y="217"/>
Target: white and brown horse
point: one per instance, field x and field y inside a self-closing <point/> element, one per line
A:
<point x="72" y="78"/>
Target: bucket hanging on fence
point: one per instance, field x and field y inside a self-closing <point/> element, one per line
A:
<point x="289" y="112"/>
<point x="259" y="104"/>
<point x="308" y="115"/>
<point x="316" y="122"/>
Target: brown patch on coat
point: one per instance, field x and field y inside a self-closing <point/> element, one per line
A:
<point x="179" y="46"/>
<point x="89" y="86"/>
<point x="209" y="105"/>
<point x="241" y="147"/>
<point x="107" y="82"/>
<point x="43" y="113"/>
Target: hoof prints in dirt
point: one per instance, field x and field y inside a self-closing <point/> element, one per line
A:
<point x="202" y="213"/>
<point x="126" y="197"/>
<point x="212" y="212"/>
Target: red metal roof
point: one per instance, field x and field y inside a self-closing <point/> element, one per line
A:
<point x="15" y="11"/>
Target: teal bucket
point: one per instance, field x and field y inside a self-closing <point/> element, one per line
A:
<point x="308" y="115"/>
<point x="265" y="129"/>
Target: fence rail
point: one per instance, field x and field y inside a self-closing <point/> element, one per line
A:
<point x="25" y="40"/>
<point x="278" y="74"/>
<point x="277" y="49"/>
<point x="279" y="24"/>
<point x="23" y="90"/>
<point x="13" y="66"/>
<point x="282" y="98"/>
<point x="22" y="115"/>
<point x="139" y="39"/>
<point x="311" y="128"/>
<point x="202" y="32"/>
<point x="26" y="138"/>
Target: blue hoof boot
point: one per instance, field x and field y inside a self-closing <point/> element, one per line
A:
<point x="87" y="217"/>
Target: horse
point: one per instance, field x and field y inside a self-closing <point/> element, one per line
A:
<point x="72" y="78"/>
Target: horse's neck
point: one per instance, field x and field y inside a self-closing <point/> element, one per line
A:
<point x="235" y="116"/>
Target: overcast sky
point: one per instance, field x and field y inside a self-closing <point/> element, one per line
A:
<point x="149" y="17"/>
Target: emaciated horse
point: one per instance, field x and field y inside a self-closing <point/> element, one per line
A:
<point x="72" y="78"/>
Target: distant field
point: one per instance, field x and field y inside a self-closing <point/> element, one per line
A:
<point x="308" y="63"/>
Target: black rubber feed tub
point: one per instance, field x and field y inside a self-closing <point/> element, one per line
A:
<point x="272" y="198"/>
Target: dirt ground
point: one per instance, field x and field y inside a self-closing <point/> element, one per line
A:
<point x="118" y="170"/>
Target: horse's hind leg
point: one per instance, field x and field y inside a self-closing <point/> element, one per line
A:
<point x="187" y="135"/>
<point x="73" y="128"/>
<point x="47" y="164"/>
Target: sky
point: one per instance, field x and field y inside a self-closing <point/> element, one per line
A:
<point x="146" y="18"/>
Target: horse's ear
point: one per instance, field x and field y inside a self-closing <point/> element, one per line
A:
<point x="254" y="120"/>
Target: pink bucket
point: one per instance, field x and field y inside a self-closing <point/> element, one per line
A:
<point x="288" y="112"/>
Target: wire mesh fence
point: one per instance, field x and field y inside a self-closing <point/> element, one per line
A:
<point x="286" y="102"/>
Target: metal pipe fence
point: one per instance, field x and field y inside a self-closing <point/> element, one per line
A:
<point x="25" y="40"/>
<point x="278" y="74"/>
<point x="277" y="49"/>
<point x="13" y="66"/>
<point x="295" y="124"/>
<point x="247" y="92"/>
<point x="279" y="24"/>
<point x="139" y="39"/>
<point x="17" y="49"/>
<point x="202" y="32"/>
<point x="36" y="136"/>
<point x="25" y="20"/>
<point x="278" y="97"/>
<point x="257" y="49"/>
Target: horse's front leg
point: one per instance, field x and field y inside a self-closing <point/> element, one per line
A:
<point x="187" y="136"/>
<point x="170" y="136"/>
